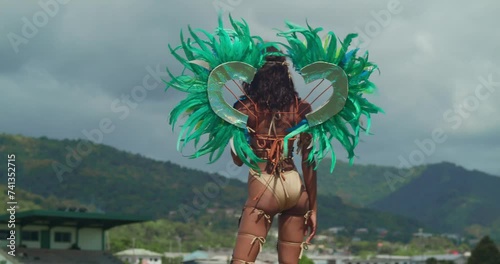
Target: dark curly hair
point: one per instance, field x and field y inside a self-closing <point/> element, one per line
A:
<point x="272" y="86"/>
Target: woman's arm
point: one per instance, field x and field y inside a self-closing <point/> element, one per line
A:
<point x="310" y="180"/>
<point x="237" y="160"/>
<point x="309" y="172"/>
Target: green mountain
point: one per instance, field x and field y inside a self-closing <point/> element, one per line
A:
<point x="29" y="201"/>
<point x="361" y="185"/>
<point x="450" y="199"/>
<point x="112" y="180"/>
<point x="116" y="181"/>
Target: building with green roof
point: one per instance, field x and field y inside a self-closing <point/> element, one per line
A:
<point x="43" y="231"/>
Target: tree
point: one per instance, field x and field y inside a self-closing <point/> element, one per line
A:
<point x="486" y="252"/>
<point x="431" y="261"/>
<point x="435" y="261"/>
<point x="305" y="260"/>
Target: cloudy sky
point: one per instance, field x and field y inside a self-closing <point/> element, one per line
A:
<point x="70" y="67"/>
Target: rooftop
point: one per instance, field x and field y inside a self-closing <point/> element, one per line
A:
<point x="138" y="252"/>
<point x="64" y="218"/>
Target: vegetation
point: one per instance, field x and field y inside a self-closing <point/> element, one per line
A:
<point x="29" y="201"/>
<point x="110" y="180"/>
<point x="166" y="235"/>
<point x="449" y="199"/>
<point x="305" y="260"/>
<point x="361" y="185"/>
<point x="417" y="246"/>
<point x="201" y="210"/>
<point x="435" y="261"/>
<point x="486" y="252"/>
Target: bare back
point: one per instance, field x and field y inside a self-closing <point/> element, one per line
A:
<point x="267" y="130"/>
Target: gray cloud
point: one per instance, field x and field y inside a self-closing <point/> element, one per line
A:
<point x="432" y="54"/>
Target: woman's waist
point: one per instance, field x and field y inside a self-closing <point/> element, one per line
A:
<point x="267" y="154"/>
<point x="284" y="174"/>
<point x="269" y="139"/>
<point x="270" y="167"/>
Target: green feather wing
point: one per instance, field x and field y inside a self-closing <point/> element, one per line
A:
<point x="345" y="126"/>
<point x="202" y="53"/>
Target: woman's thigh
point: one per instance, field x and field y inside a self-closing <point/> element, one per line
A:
<point x="256" y="220"/>
<point x="292" y="228"/>
<point x="292" y="221"/>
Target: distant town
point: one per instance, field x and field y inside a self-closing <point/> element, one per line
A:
<point x="76" y="236"/>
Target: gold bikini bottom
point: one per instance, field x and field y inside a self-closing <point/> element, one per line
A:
<point x="286" y="187"/>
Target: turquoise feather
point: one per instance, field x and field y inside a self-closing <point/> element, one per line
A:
<point x="225" y="45"/>
<point x="345" y="126"/>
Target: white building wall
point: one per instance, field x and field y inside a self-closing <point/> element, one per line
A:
<point x="30" y="244"/>
<point x="90" y="239"/>
<point x="62" y="245"/>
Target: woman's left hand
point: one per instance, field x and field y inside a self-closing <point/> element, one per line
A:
<point x="311" y="227"/>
